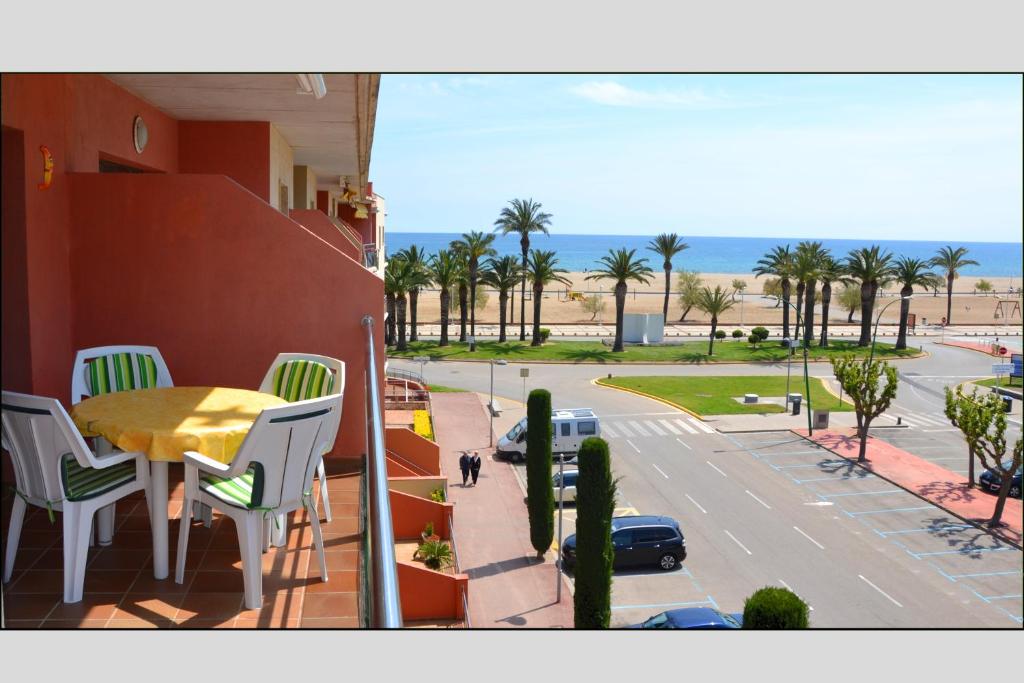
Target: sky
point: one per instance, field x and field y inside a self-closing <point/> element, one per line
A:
<point x="848" y="156"/>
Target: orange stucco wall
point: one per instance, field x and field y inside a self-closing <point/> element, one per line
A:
<point x="410" y="514"/>
<point x="219" y="280"/>
<point x="364" y="226"/>
<point x="79" y="118"/>
<point x="427" y="594"/>
<point x="319" y="224"/>
<point x="411" y="446"/>
<point x="237" y="149"/>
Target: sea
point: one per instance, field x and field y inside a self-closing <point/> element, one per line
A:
<point x="577" y="253"/>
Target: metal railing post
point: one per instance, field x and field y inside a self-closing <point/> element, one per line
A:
<point x="387" y="608"/>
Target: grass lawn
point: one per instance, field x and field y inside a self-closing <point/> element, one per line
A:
<point x="714" y="395"/>
<point x="440" y="388"/>
<point x="1002" y="382"/>
<point x="596" y="352"/>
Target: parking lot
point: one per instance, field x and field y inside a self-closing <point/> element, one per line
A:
<point x="982" y="567"/>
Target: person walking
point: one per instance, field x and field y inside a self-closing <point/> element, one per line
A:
<point x="474" y="465"/>
<point x="464" y="462"/>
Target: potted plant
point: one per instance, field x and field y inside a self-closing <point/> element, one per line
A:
<point x="428" y="533"/>
<point x="436" y="555"/>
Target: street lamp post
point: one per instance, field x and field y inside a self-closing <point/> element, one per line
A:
<point x="490" y="405"/>
<point x="789" y="360"/>
<point x="871" y="356"/>
<point x="558" y="556"/>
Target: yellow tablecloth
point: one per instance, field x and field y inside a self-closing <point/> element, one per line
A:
<point x="164" y="423"/>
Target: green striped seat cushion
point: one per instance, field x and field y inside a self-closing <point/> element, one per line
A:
<point x="83" y="483"/>
<point x="120" y="372"/>
<point x="243" y="491"/>
<point x="301" y="380"/>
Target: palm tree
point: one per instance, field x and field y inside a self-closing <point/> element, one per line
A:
<point x="416" y="256"/>
<point x="459" y="253"/>
<point x="829" y="272"/>
<point x="666" y="245"/>
<point x="806" y="268"/>
<point x="910" y="272"/>
<point x="474" y="245"/>
<point x="779" y="263"/>
<point x="951" y="260"/>
<point x="620" y="266"/>
<point x="503" y="274"/>
<point x="523" y="216"/>
<point x="403" y="278"/>
<point x="540" y="269"/>
<point x="389" y="299"/>
<point x="446" y="271"/>
<point x="714" y="303"/>
<point x="872" y="269"/>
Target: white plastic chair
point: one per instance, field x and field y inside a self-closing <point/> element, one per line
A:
<point x="81" y="388"/>
<point x="271" y="474"/>
<point x="54" y="469"/>
<point x="337" y="386"/>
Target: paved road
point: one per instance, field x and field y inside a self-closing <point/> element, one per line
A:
<point x="770" y="509"/>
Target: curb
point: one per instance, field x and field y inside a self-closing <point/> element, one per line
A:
<point x="600" y="383"/>
<point x="974" y="523"/>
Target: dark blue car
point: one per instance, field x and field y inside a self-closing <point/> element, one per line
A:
<point x="989" y="481"/>
<point x="693" y="617"/>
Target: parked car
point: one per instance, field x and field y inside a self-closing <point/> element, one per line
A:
<point x="692" y="617"/>
<point x="569" y="493"/>
<point x="569" y="428"/>
<point x="643" y="540"/>
<point x="990" y="481"/>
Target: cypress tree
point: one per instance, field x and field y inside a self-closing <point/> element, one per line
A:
<point x="595" y="504"/>
<point x="539" y="492"/>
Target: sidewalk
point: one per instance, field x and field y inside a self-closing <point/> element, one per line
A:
<point x="508" y="586"/>
<point x="926" y="480"/>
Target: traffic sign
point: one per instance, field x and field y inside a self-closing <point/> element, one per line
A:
<point x="524" y="372"/>
<point x="1002" y="350"/>
<point x="421" y="359"/>
<point x="1002" y="368"/>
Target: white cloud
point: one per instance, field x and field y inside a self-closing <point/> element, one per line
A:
<point x="618" y="95"/>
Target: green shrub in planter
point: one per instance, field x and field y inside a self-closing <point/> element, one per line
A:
<point x="754" y="340"/>
<point x="736" y="334"/>
<point x="761" y="332"/>
<point x="544" y="334"/>
<point x="774" y="608"/>
<point x="436" y="554"/>
<point x="540" y="497"/>
<point x="719" y="334"/>
<point x="595" y="505"/>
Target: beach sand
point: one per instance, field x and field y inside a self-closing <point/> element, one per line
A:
<point x="968" y="307"/>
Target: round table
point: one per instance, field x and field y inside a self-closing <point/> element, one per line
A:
<point x="163" y="423"/>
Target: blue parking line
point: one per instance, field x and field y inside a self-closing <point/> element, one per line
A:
<point x="875" y="512"/>
<point x="866" y="493"/>
<point x="817" y="464"/>
<point x="971" y="576"/>
<point x="806" y="481"/>
<point x="966" y="553"/>
<point x="709" y="601"/>
<point x="784" y="453"/>
<point x="1004" y="597"/>
<point x="949" y="527"/>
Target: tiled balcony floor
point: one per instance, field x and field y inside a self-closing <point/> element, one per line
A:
<point x="120" y="591"/>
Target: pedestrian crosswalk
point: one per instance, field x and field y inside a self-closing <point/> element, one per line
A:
<point x="921" y="420"/>
<point x="630" y="429"/>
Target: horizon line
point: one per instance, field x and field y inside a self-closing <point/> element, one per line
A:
<point x="740" y="237"/>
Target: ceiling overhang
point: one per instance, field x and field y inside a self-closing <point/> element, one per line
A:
<point x="332" y="135"/>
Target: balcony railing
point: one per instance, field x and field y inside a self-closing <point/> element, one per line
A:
<point x="384" y="602"/>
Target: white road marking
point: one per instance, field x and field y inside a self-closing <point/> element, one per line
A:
<point x="684" y="443"/>
<point x="654" y="428"/>
<point x="621" y="426"/>
<point x="607" y="429"/>
<point x="954" y="429"/>
<point x="696" y="503"/>
<point x="786" y="586"/>
<point x="670" y="427"/>
<point x="879" y="590"/>
<point x="687" y="427"/>
<point x="800" y="531"/>
<point x="659" y="470"/>
<point x="637" y="414"/>
<point x="716" y="469"/>
<point x="703" y="427"/>
<point x="633" y="445"/>
<point x="638" y="428"/>
<point x="737" y="542"/>
<point x="759" y="500"/>
<point x="820" y="502"/>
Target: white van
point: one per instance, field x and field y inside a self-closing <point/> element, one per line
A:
<point x="569" y="427"/>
